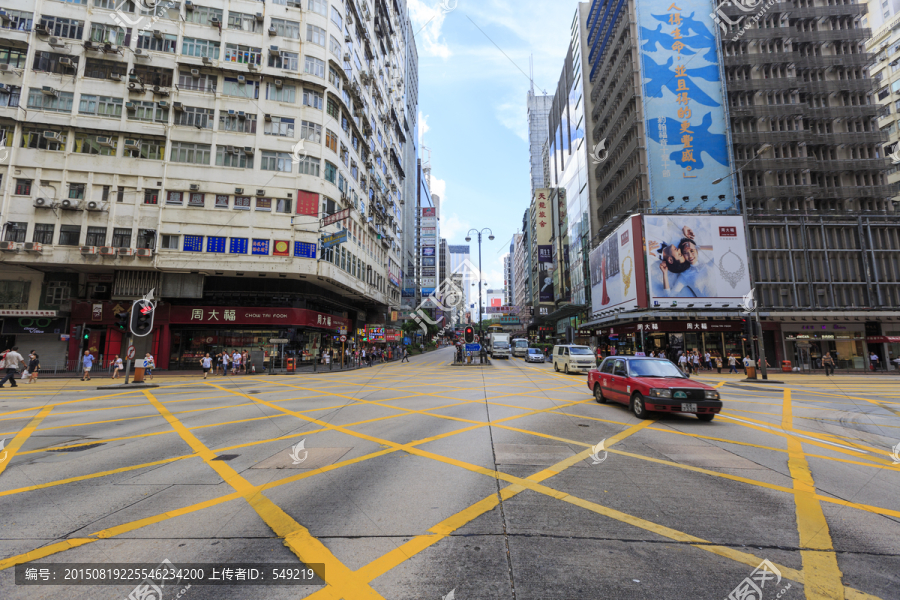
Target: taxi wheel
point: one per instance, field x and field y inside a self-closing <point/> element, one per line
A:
<point x="598" y="394"/>
<point x="638" y="406"/>
<point x="706" y="417"/>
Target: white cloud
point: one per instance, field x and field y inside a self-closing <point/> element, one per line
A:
<point x="439" y="187"/>
<point x="427" y="23"/>
<point x="423" y="127"/>
<point x="514" y="116"/>
<point x="452" y="226"/>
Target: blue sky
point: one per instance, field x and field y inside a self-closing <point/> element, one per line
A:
<point x="472" y="103"/>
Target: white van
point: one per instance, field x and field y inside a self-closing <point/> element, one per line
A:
<point x="573" y="359"/>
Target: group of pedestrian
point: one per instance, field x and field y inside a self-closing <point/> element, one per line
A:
<point x="236" y="361"/>
<point x="12" y="362"/>
<point x="694" y="361"/>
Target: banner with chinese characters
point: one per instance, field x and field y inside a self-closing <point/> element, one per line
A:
<point x="683" y="103"/>
<point x="375" y="333"/>
<point x="696" y="258"/>
<point x="543" y="217"/>
<point x="618" y="277"/>
<point x="227" y="316"/>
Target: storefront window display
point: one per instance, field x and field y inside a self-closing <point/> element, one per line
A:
<point x="805" y="345"/>
<point x="189" y="346"/>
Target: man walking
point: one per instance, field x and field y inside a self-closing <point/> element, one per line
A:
<point x="873" y="358"/>
<point x="828" y="363"/>
<point x="235" y="362"/>
<point x="87" y="362"/>
<point x="732" y="364"/>
<point x="13" y="361"/>
<point x="405" y="355"/>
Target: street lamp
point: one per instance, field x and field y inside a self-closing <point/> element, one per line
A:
<point x="469" y="239"/>
<point x="750" y="266"/>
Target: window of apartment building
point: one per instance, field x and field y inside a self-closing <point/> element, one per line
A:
<point x="120" y="195"/>
<point x="883" y="93"/>
<point x="96" y="236"/>
<point x="241" y="89"/>
<point x="86" y="143"/>
<point x="112" y="5"/>
<point x="15" y="232"/>
<point x="14" y="57"/>
<point x="147" y="110"/>
<point x="187" y="152"/>
<point x="288" y="29"/>
<point x="221" y="201"/>
<point x="289" y="61"/>
<point x="14" y="294"/>
<point x="330" y="172"/>
<point x="318" y="6"/>
<point x="342" y="183"/>
<point x="264" y="204"/>
<point x="103" y="33"/>
<point x="284" y="93"/>
<point x="312" y="99"/>
<point x="146" y="239"/>
<point x="276" y="161"/>
<point x="331" y="140"/>
<point x="10" y="97"/>
<point x="245" y="123"/>
<point x="336" y="18"/>
<point x="283" y="205"/>
<point x="95" y="68"/>
<point x="146" y="40"/>
<point x="146" y="148"/>
<point x="43" y="233"/>
<point x="315" y="35"/>
<point x="233" y="156"/>
<point x="202" y="15"/>
<point x="193" y="116"/>
<point x="18" y="20"/>
<point x="57" y="291"/>
<point x="51" y="62"/>
<point x="280" y="126"/>
<point x="163" y="10"/>
<point x="334" y="46"/>
<point x="169" y="242"/>
<point x="104" y="195"/>
<point x="243" y="54"/>
<point x="200" y="48"/>
<point x="56" y="102"/>
<point x="197" y="199"/>
<point x="314" y="66"/>
<point x="309" y="166"/>
<point x="334" y="77"/>
<point x="65" y="28"/>
<point x="332" y="109"/>
<point x="311" y="131"/>
<point x="175" y="198"/>
<point x="69" y="235"/>
<point x="149" y="75"/>
<point x="242" y="202"/>
<point x="151" y="196"/>
<point x="241" y="21"/>
<point x="34" y="138"/>
<point x="121" y="237"/>
<point x="201" y="82"/>
<point x="23" y="187"/>
<point x="104" y="106"/>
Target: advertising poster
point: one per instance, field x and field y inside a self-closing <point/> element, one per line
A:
<point x="617" y="270"/>
<point x="696" y="257"/>
<point x="428" y="212"/>
<point x="427" y="250"/>
<point x="545" y="253"/>
<point x="545" y="283"/>
<point x="683" y="103"/>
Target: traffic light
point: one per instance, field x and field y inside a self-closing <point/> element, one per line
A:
<point x="85" y="334"/>
<point x="122" y="321"/>
<point x="747" y="327"/>
<point x="469" y="335"/>
<point x="142" y="313"/>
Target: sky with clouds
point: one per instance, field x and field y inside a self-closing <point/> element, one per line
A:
<point x="473" y="84"/>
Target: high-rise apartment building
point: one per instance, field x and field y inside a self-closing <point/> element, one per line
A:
<point x="538" y="112"/>
<point x="884" y="45"/>
<point x="508" y="278"/>
<point x="249" y="164"/>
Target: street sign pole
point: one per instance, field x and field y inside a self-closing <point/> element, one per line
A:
<point x="128" y="364"/>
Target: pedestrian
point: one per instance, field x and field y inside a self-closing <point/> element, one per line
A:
<point x="732" y="363"/>
<point x="249" y="367"/>
<point x="362" y="355"/>
<point x="235" y="362"/>
<point x="11" y="361"/>
<point x="719" y="364"/>
<point x="225" y="360"/>
<point x="873" y="360"/>
<point x="696" y="361"/>
<point x="707" y="362"/>
<point x="206" y="363"/>
<point x="87" y="362"/>
<point x="746" y="363"/>
<point x="245" y="359"/>
<point x="34" y="366"/>
<point x="405" y="355"/>
<point x="422" y="347"/>
<point x="117" y="366"/>
<point x="683" y="363"/>
<point x="148" y="370"/>
<point x="828" y="363"/>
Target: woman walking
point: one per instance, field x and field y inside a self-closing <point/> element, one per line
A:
<point x="117" y="366"/>
<point x="34" y="365"/>
<point x="206" y="363"/>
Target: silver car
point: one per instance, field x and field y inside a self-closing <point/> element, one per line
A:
<point x="534" y="355"/>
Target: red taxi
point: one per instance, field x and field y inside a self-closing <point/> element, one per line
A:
<point x="652" y="384"/>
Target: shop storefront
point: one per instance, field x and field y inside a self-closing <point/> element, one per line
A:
<point x="891" y="341"/>
<point x="719" y="338"/>
<point x="38" y="330"/>
<point x="805" y="344"/>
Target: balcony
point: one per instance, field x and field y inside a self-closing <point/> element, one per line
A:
<point x="835" y="60"/>
<point x="861" y="191"/>
<point x="859" y="34"/>
<point x="760" y="58"/>
<point x="839" y="85"/>
<point x="777" y="83"/>
<point x="770" y="110"/>
<point x="842" y="112"/>
<point x="781" y="191"/>
<point x="815" y="12"/>
<point x="784" y="164"/>
<point x="770" y="137"/>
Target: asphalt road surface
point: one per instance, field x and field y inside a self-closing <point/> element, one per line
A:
<point x="424" y="481"/>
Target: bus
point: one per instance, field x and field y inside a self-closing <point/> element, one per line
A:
<point x="519" y="347"/>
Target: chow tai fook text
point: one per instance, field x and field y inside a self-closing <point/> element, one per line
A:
<point x="287" y="317"/>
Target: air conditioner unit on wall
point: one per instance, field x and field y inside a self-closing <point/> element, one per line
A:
<point x="8" y="246"/>
<point x="33" y="247"/>
<point x="144" y="252"/>
<point x="125" y="251"/>
<point x="89" y="250"/>
<point x="107" y="251"/>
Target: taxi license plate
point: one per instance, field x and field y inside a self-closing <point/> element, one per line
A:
<point x="688" y="408"/>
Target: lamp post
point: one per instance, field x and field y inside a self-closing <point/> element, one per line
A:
<point x="750" y="266"/>
<point x="469" y="239"/>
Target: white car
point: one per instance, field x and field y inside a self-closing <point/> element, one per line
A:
<point x="573" y="359"/>
<point x="534" y="355"/>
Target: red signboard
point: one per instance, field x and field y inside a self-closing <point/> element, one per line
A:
<point x="392" y="335"/>
<point x="281" y="248"/>
<point x="883" y="339"/>
<point x="338" y="216"/>
<point x="307" y="203"/>
<point x="226" y="316"/>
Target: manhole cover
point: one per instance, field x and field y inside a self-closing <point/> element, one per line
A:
<point x="226" y="457"/>
<point x="76" y="448"/>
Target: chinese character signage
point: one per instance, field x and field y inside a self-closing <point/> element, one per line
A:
<point x="238" y="246"/>
<point x="215" y="244"/>
<point x="375" y="333"/>
<point x="334" y="239"/>
<point x="696" y="257"/>
<point x="617" y="270"/>
<point x="683" y="103"/>
<point x="281" y="248"/>
<point x="542" y="217"/>
<point x="307" y="203"/>
<point x="193" y="243"/>
<point x="285" y="317"/>
<point x="338" y="216"/>
<point x="261" y="247"/>
<point x="304" y="250"/>
<point x="428" y="212"/>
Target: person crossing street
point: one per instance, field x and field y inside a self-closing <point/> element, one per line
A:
<point x="12" y="360"/>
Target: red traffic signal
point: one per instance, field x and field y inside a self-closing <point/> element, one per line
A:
<point x="469" y="335"/>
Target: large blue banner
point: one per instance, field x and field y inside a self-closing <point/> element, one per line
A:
<point x="683" y="105"/>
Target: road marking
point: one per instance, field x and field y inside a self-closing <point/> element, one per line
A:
<point x="10" y="451"/>
<point x="822" y="576"/>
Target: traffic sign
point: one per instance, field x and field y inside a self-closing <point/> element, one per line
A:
<point x="343" y="331"/>
<point x="130" y="353"/>
<point x="343" y="338"/>
<point x="279" y="341"/>
<point x="473" y="347"/>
